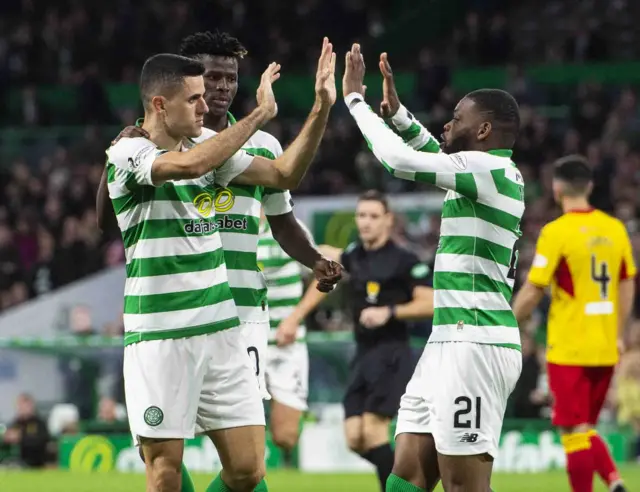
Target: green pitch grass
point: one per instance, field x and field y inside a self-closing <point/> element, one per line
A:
<point x="279" y="481"/>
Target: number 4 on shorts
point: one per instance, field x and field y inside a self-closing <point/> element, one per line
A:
<point x="462" y="418"/>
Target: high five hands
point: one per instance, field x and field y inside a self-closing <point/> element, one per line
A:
<point x="353" y="80"/>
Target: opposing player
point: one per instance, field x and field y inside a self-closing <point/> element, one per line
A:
<point x="186" y="367"/>
<point x="585" y="257"/>
<point x="455" y="401"/>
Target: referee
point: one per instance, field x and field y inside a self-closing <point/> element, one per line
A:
<point x="387" y="287"/>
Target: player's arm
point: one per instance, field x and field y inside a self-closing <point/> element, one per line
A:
<point x="412" y="132"/>
<point x="210" y="154"/>
<point x="286" y="171"/>
<point x="313" y="295"/>
<point x="626" y="289"/>
<point x="419" y="307"/>
<point x="104" y="211"/>
<point x="543" y="267"/>
<point x="398" y="158"/>
<point x="311" y="299"/>
<point x="297" y="241"/>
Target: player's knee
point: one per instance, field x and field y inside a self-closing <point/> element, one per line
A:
<point x="285" y="437"/>
<point x="411" y="474"/>
<point x="245" y="476"/>
<point x="164" y="474"/>
<point x="245" y="479"/>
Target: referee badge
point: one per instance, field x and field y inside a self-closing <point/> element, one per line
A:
<point x="373" y="290"/>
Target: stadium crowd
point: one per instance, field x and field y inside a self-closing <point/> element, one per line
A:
<point x="48" y="236"/>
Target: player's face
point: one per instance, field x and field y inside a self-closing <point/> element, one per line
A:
<point x="185" y="110"/>
<point x="221" y="83"/>
<point x="465" y="128"/>
<point x="372" y="220"/>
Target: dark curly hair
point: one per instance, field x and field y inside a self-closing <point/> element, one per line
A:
<point x="212" y="43"/>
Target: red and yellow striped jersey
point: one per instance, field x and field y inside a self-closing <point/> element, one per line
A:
<point x="583" y="255"/>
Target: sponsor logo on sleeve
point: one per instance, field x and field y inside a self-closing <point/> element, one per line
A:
<point x="459" y="161"/>
<point x="139" y="156"/>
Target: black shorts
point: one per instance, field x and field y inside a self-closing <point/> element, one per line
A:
<point x="379" y="377"/>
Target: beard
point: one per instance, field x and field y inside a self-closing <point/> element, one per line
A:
<point x="459" y="143"/>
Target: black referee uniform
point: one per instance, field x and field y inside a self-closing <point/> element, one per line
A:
<point x="384" y="363"/>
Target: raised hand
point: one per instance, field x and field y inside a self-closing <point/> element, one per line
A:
<point x="326" y="75"/>
<point x="354" y="72"/>
<point x="390" y="101"/>
<point x="265" y="97"/>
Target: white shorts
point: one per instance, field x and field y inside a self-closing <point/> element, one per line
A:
<point x="458" y="393"/>
<point x="256" y="337"/>
<point x="187" y="386"/>
<point x="288" y="374"/>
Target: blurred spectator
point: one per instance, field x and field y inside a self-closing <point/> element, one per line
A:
<point x="29" y="433"/>
<point x="108" y="411"/>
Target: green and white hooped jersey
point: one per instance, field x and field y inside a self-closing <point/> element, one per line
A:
<point x="476" y="258"/>
<point x="176" y="282"/>
<point x="284" y="279"/>
<point x="238" y="210"/>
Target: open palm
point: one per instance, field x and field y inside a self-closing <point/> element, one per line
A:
<point x="326" y="74"/>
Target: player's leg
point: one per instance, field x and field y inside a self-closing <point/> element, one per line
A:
<point x="415" y="466"/>
<point x="231" y="413"/>
<point x="600" y="379"/>
<point x="470" y="399"/>
<point x="161" y="386"/>
<point x="288" y="384"/>
<point x="186" y="480"/>
<point x="570" y="388"/>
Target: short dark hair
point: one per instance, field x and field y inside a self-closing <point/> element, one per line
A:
<point x="575" y="172"/>
<point x="212" y="43"/>
<point x="375" y="196"/>
<point x="165" y="73"/>
<point x="504" y="111"/>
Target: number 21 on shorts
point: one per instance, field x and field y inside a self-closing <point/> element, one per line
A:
<point x="469" y="413"/>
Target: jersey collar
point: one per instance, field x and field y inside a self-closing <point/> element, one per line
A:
<point x="501" y="152"/>
<point x="231" y="119"/>
<point x="587" y="210"/>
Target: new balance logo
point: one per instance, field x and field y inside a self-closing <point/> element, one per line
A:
<point x="469" y="438"/>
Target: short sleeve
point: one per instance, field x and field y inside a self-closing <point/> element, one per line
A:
<point x="277" y="202"/>
<point x="133" y="160"/>
<point x="546" y="259"/>
<point x="235" y="166"/>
